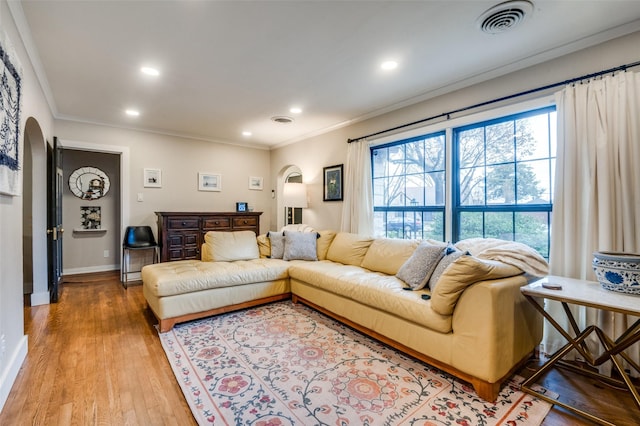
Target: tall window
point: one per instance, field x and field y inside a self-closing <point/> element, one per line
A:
<point x="501" y="186"/>
<point x="409" y="187"/>
<point x="503" y="178"/>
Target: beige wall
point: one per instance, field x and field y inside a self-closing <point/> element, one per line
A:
<point x="13" y="342"/>
<point x="180" y="161"/>
<point x="313" y="154"/>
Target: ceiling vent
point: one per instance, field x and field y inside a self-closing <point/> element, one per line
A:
<point x="282" y="119"/>
<point x="504" y="16"/>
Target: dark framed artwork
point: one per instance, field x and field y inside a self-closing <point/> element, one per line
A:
<point x="332" y="183"/>
<point x="11" y="148"/>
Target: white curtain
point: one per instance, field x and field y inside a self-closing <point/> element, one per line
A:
<point x="596" y="203"/>
<point x="357" y="207"/>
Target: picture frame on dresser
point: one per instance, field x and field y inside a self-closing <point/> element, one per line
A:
<point x="209" y="181"/>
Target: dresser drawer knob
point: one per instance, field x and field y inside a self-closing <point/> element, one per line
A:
<point x="245" y="222"/>
<point x="217" y="223"/>
<point x="184" y="223"/>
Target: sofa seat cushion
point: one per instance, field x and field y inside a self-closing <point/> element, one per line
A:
<point x="374" y="289"/>
<point x="186" y="276"/>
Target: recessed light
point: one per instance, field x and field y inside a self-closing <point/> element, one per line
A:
<point x="132" y="112"/>
<point x="246" y="133"/>
<point x="389" y="65"/>
<point x="150" y="71"/>
<point x="295" y="110"/>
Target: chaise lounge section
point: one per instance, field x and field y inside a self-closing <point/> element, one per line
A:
<point x="470" y="321"/>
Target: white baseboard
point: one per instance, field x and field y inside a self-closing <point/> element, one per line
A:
<point x="42" y="298"/>
<point x="90" y="269"/>
<point x="9" y="374"/>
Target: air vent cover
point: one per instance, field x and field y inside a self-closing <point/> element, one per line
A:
<point x="282" y="119"/>
<point x="504" y="16"/>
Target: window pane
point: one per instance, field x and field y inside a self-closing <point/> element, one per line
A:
<point x="499" y="225"/>
<point x="414" y="157"/>
<point x="435" y="189"/>
<point x="395" y="189"/>
<point x="434" y="153"/>
<point x="534" y="182"/>
<point x="471" y="186"/>
<point x="532" y="228"/>
<point x="501" y="184"/>
<point x="533" y="137"/>
<point x="500" y="147"/>
<point x="396" y="160"/>
<point x="471" y="147"/>
<point x="380" y="162"/>
<point x="414" y="194"/>
<point x="433" y="226"/>
<point x="471" y="225"/>
<point x="380" y="192"/>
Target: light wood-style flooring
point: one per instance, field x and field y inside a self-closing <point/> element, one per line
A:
<point x="95" y="359"/>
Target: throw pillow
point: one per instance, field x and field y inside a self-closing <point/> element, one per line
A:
<point x="277" y="244"/>
<point x="417" y="270"/>
<point x="462" y="273"/>
<point x="230" y="246"/>
<point x="300" y="245"/>
<point x="451" y="254"/>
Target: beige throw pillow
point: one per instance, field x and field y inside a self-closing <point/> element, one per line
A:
<point x="230" y="246"/>
<point x="462" y="273"/>
<point x="323" y="243"/>
<point x="264" y="245"/>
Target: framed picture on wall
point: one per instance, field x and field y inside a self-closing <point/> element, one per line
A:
<point x="332" y="183"/>
<point x="209" y="182"/>
<point x="152" y="178"/>
<point x="255" y="183"/>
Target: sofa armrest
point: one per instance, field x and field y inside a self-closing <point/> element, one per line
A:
<point x="494" y="328"/>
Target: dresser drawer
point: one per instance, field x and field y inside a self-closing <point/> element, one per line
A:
<point x="244" y="222"/>
<point x="183" y="223"/>
<point x="216" y="223"/>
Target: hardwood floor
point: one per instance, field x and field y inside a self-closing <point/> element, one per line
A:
<point x="95" y="358"/>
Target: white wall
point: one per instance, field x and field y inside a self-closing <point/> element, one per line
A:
<point x="313" y="154"/>
<point x="180" y="161"/>
<point x="13" y="342"/>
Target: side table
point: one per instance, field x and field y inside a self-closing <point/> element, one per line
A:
<point x="591" y="294"/>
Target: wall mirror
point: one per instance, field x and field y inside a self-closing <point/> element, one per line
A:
<point x="89" y="183"/>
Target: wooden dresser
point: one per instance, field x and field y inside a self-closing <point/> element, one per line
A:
<point x="180" y="234"/>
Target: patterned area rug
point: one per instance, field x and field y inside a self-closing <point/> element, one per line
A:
<point x="286" y="364"/>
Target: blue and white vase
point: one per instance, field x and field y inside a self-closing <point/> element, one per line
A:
<point x="618" y="271"/>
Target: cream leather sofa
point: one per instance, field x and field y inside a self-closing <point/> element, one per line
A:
<point x="475" y="324"/>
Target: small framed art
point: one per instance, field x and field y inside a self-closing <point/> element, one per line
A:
<point x="152" y="178"/>
<point x="241" y="207"/>
<point x="332" y="182"/>
<point x="255" y="183"/>
<point x="209" y="182"/>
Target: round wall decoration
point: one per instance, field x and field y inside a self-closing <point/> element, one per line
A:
<point x="89" y="183"/>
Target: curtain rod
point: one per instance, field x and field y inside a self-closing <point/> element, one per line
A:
<point x="504" y="98"/>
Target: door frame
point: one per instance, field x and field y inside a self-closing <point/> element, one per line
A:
<point x="124" y="155"/>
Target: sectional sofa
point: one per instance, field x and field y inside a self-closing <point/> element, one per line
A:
<point x="458" y="308"/>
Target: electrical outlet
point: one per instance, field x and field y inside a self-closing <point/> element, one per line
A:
<point x="106" y="253"/>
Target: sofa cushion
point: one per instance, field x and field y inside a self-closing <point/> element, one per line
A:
<point x="230" y="246"/>
<point x="276" y="240"/>
<point x="324" y="241"/>
<point x="300" y="245"/>
<point x="462" y="273"/>
<point x="374" y="289"/>
<point x="417" y="270"/>
<point x="387" y="255"/>
<point x="348" y="248"/>
<point x="186" y="276"/>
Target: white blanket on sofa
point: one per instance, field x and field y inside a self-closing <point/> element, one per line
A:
<point x="510" y="252"/>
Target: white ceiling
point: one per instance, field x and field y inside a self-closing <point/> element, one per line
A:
<point x="229" y="66"/>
